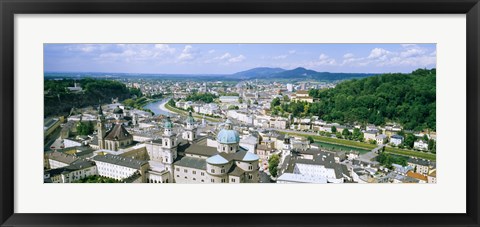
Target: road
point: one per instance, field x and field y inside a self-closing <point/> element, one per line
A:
<point x="369" y="156"/>
<point x="265" y="178"/>
<point x="52" y="139"/>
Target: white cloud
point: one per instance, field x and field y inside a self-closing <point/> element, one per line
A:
<point x="239" y="58"/>
<point x="408" y="45"/>
<point x="323" y="57"/>
<point x="280" y="57"/>
<point x="348" y="55"/>
<point x="211" y="51"/>
<point x="410" y="55"/>
<point x="323" y="60"/>
<point x="225" y="56"/>
<point x="326" y="60"/>
<point x="292" y="52"/>
<point x="165" y="48"/>
<point x="378" y="53"/>
<point x="187" y="54"/>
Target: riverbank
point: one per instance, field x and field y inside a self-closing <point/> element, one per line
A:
<point x="355" y="144"/>
<point x="163" y="108"/>
<point x="157" y="106"/>
<point x="185" y="113"/>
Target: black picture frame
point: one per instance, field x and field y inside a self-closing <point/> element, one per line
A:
<point x="11" y="7"/>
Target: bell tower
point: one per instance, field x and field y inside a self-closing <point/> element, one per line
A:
<point x="169" y="147"/>
<point x="101" y="128"/>
<point x="190" y="129"/>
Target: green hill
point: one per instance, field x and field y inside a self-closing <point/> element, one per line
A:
<point x="409" y="99"/>
<point x="58" y="100"/>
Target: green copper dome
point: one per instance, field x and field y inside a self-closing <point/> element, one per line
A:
<point x="190" y="119"/>
<point x="227" y="135"/>
<point x="117" y="110"/>
<point x="168" y="123"/>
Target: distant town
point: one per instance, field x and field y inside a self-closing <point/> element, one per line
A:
<point x="181" y="131"/>
<point x="259" y="125"/>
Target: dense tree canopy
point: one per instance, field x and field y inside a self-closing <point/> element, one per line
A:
<point x="409" y="99"/>
<point x="85" y="128"/>
<point x="59" y="100"/>
<point x="205" y="97"/>
<point x="387" y="160"/>
<point x="273" y="162"/>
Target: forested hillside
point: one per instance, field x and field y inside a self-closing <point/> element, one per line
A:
<point x="59" y="100"/>
<point x="409" y="99"/>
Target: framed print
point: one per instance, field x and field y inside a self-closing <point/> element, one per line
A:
<point x="242" y="113"/>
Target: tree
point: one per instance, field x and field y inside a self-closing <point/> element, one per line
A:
<point x="345" y="132"/>
<point x="310" y="139"/>
<point x="432" y="146"/>
<point x="240" y="100"/>
<point x="273" y="162"/>
<point x="275" y="102"/>
<point x="334" y="129"/>
<point x="338" y="135"/>
<point x="409" y="140"/>
<point x="233" y="107"/>
<point x="135" y="91"/>
<point x="286" y="98"/>
<point x="129" y="102"/>
<point x="171" y="103"/>
<point x="190" y="108"/>
<point x="85" y="128"/>
<point x="425" y="137"/>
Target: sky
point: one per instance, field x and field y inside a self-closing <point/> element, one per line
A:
<point x="232" y="58"/>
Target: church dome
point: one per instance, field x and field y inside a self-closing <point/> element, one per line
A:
<point x="190" y="119"/>
<point x="117" y="110"/>
<point x="228" y="135"/>
<point x="217" y="160"/>
<point x="168" y="123"/>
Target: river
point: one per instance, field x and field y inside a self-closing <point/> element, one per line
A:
<point x="158" y="107"/>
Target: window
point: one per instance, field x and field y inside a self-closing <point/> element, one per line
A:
<point x="213" y="171"/>
<point x="250" y="167"/>
<point x="185" y="170"/>
<point x="232" y="180"/>
<point x="250" y="176"/>
<point x="194" y="172"/>
<point x="178" y="175"/>
<point x="223" y="148"/>
<point x="223" y="180"/>
<point x="202" y="174"/>
<point x="231" y="148"/>
<point x="194" y="179"/>
<point x="212" y="180"/>
<point x="222" y="171"/>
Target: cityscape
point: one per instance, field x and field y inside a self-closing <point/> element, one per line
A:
<point x="240" y="113"/>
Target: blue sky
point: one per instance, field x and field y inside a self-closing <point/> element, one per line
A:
<point x="231" y="58"/>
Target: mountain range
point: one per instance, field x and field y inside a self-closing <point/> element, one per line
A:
<point x="297" y="73"/>
<point x="255" y="73"/>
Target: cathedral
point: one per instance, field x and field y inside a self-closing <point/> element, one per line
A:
<point x="116" y="138"/>
<point x="192" y="161"/>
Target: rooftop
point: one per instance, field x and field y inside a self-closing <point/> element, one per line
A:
<point x="192" y="162"/>
<point x="118" y="132"/>
<point x="121" y="161"/>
